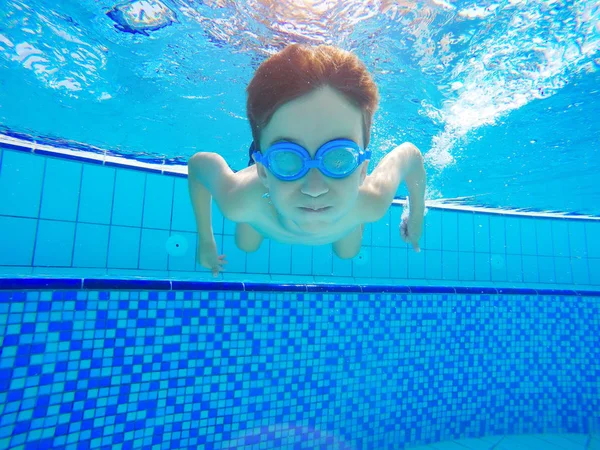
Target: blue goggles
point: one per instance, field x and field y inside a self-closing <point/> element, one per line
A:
<point x="289" y="161"/>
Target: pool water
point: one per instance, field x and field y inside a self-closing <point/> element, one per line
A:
<point x="113" y="336"/>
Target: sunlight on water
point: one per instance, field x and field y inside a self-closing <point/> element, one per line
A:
<point x="534" y="52"/>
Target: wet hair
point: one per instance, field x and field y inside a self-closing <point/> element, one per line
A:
<point x="298" y="70"/>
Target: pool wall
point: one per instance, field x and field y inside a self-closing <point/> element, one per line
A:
<point x="292" y="370"/>
<point x="69" y="213"/>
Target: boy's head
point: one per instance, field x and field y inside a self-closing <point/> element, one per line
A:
<point x="310" y="96"/>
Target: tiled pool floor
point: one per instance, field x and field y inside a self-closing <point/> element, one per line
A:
<point x="520" y="442"/>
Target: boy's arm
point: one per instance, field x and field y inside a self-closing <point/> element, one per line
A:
<point x="210" y="176"/>
<point x="405" y="162"/>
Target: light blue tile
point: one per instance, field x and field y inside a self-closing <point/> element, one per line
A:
<point x="228" y="225"/>
<point x="577" y="241"/>
<point x="466" y="266"/>
<point x="416" y="264"/>
<point x="450" y="266"/>
<point x="158" y="200"/>
<point x="380" y="231"/>
<point x="302" y="257"/>
<point x="594" y="268"/>
<point x="546" y="269"/>
<point x="450" y="231"/>
<point x="560" y="237"/>
<point x="466" y="236"/>
<point x="183" y="213"/>
<point x="153" y="249"/>
<point x="54" y="243"/>
<point x="21" y="184"/>
<point x="129" y="198"/>
<point x="293" y="279"/>
<point x="592" y="232"/>
<point x="362" y="263"/>
<point x="562" y="268"/>
<point x="280" y="258"/>
<point x="481" y="227"/>
<point x="332" y="266"/>
<point x="123" y="247"/>
<point x="258" y="261"/>
<point x="513" y="236"/>
<point x="60" y="194"/>
<point x="380" y="262"/>
<point x="498" y="267"/>
<point x="433" y="264"/>
<point x="432" y="231"/>
<point x="482" y="267"/>
<point x="91" y="245"/>
<point x="579" y="270"/>
<point x="97" y="188"/>
<point x="530" y="269"/>
<point x="398" y="263"/>
<point x="395" y="239"/>
<point x="367" y="238"/>
<point x="543" y="228"/>
<point x="324" y="263"/>
<point x="17" y="238"/>
<point x="187" y="261"/>
<point x="514" y="271"/>
<point x="235" y="257"/>
<point x="528" y="237"/>
<point x="497" y="234"/>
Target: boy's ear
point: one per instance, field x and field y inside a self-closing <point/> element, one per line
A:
<point x="262" y="173"/>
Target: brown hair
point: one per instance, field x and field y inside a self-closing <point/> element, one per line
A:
<point x="297" y="70"/>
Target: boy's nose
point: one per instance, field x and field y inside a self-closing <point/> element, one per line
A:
<point x="314" y="183"/>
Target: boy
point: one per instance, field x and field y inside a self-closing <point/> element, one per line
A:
<point x="310" y="110"/>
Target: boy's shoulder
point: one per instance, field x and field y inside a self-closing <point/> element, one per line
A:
<point x="246" y="195"/>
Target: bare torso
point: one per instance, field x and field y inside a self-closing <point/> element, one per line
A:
<point x="345" y="234"/>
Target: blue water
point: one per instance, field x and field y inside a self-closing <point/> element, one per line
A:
<point x="500" y="96"/>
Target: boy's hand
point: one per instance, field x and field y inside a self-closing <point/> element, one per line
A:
<point x="208" y="257"/>
<point x="411" y="229"/>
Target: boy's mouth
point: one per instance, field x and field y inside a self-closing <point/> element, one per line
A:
<point x="315" y="210"/>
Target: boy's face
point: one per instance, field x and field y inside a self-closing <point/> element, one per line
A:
<point x="311" y="121"/>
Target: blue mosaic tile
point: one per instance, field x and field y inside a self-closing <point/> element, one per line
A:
<point x="266" y="287"/>
<point x="284" y="370"/>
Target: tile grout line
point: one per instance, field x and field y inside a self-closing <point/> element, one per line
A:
<point x="141" y="227"/>
<point x="37" y="222"/>
<point x="110" y="219"/>
<point x="77" y="216"/>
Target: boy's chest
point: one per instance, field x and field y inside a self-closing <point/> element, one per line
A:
<point x="270" y="227"/>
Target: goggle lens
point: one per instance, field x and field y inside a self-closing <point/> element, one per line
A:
<point x="285" y="163"/>
<point x="340" y="161"/>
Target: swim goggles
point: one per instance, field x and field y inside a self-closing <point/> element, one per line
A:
<point x="289" y="161"/>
